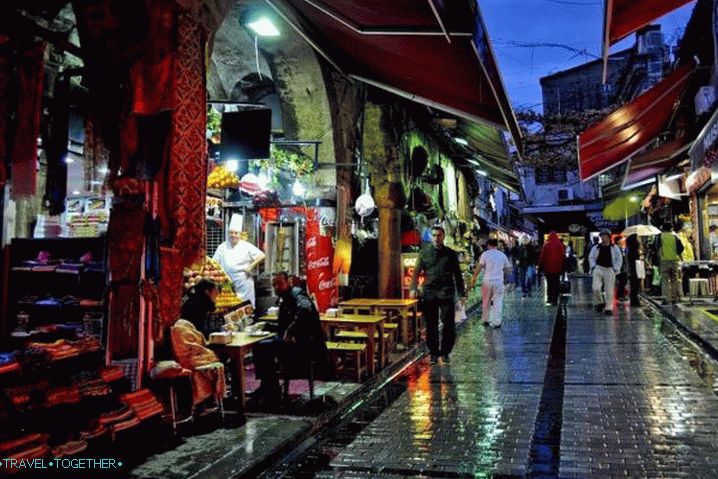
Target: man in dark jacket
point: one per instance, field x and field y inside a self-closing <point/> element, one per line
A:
<point x="442" y="284"/>
<point x="299" y="340"/>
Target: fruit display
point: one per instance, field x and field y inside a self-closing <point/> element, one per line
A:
<point x="221" y="178"/>
<point x="208" y="269"/>
<point x="226" y="298"/>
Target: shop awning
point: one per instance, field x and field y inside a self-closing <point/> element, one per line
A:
<point x="654" y="162"/>
<point x="627" y="130"/>
<point x="493" y="156"/>
<point x="623" y="17"/>
<point x="430" y="51"/>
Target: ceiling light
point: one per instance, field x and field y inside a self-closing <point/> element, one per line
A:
<point x="298" y="189"/>
<point x="231" y="165"/>
<point x="263" y="27"/>
<point x="461" y="141"/>
<point x="482" y="172"/>
<point x="69" y="160"/>
<point x="75" y="192"/>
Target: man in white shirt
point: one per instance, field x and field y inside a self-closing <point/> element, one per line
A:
<point x="238" y="258"/>
<point x="496" y="267"/>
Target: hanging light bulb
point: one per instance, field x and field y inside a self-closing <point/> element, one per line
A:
<point x="298" y="189"/>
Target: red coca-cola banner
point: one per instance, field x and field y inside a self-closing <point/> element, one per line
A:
<point x="319" y="247"/>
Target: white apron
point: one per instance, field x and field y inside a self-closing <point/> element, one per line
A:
<point x="234" y="261"/>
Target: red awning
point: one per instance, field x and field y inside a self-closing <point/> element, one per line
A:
<point x="433" y="52"/>
<point x="627" y="130"/>
<point x="654" y="162"/>
<point x="623" y="17"/>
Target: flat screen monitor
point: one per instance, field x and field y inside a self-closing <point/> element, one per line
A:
<point x="246" y="134"/>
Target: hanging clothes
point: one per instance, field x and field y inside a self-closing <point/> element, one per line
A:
<point x="56" y="146"/>
<point x="31" y="73"/>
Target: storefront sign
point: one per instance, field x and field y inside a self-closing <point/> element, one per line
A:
<point x="600" y="222"/>
<point x="697" y="179"/>
<point x="706" y="141"/>
<point x="321" y="281"/>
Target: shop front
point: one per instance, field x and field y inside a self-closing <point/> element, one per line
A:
<point x="702" y="186"/>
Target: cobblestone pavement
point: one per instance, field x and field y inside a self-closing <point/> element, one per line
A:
<point x="630" y="405"/>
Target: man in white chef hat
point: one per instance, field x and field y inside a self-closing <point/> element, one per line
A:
<point x="238" y="259"/>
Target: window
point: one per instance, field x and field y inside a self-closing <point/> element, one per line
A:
<point x="550" y="174"/>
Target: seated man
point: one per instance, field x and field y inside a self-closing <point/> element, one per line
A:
<point x="299" y="339"/>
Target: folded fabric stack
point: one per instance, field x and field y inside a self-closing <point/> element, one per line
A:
<point x="70" y="448"/>
<point x="45" y="268"/>
<point x="59" y="349"/>
<point x="70" y="267"/>
<point x="29" y="396"/>
<point x="9" y="367"/>
<point x="143" y="403"/>
<point x="29" y="299"/>
<point x="111" y="373"/>
<point x="87" y="344"/>
<point x="91" y="386"/>
<point x="93" y="431"/>
<point x="90" y="303"/>
<point x="121" y="414"/>
<point x="8" y="363"/>
<point x="95" y="267"/>
<point x="29" y="446"/>
<point x="62" y="395"/>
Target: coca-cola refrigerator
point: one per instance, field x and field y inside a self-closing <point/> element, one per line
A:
<point x="282" y="248"/>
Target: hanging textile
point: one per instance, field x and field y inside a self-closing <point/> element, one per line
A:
<point x="97" y="156"/>
<point x="56" y="146"/>
<point x="5" y="81"/>
<point x="187" y="171"/>
<point x="30" y="74"/>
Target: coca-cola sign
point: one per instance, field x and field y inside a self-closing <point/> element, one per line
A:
<point x="319" y="247"/>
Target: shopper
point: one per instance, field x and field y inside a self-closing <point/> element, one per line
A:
<point x="551" y="263"/>
<point x="632" y="259"/>
<point x="669" y="249"/>
<point x="605" y="261"/>
<point x="527" y="258"/>
<point x="198" y="303"/>
<point x="496" y="267"/>
<point x="442" y="283"/>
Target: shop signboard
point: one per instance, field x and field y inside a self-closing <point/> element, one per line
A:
<point x="704" y="151"/>
<point x="319" y="247"/>
<point x="600" y="222"/>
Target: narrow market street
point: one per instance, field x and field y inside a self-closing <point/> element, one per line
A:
<point x="625" y="402"/>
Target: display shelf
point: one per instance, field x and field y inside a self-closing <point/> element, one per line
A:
<point x="87" y="284"/>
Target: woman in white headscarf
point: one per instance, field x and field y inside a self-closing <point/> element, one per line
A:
<point x="238" y="259"/>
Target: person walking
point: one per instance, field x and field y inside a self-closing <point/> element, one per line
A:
<point x="526" y="261"/>
<point x="443" y="282"/>
<point x="669" y="249"/>
<point x="605" y="261"/>
<point x="551" y="263"/>
<point x="496" y="267"/>
<point x="632" y="257"/>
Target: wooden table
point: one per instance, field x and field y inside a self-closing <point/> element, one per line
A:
<point x="406" y="309"/>
<point x="237" y="349"/>
<point x="367" y="323"/>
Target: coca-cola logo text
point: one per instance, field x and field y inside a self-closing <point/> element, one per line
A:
<point x="325" y="285"/>
<point x="312" y="242"/>
<point x="318" y="263"/>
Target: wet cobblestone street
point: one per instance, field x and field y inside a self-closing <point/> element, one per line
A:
<point x="628" y="404"/>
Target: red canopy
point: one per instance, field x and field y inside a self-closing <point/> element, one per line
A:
<point x="654" y="162"/>
<point x="627" y="130"/>
<point x="623" y="17"/>
<point x="434" y="52"/>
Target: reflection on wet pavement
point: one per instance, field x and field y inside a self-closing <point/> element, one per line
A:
<point x="631" y="405"/>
